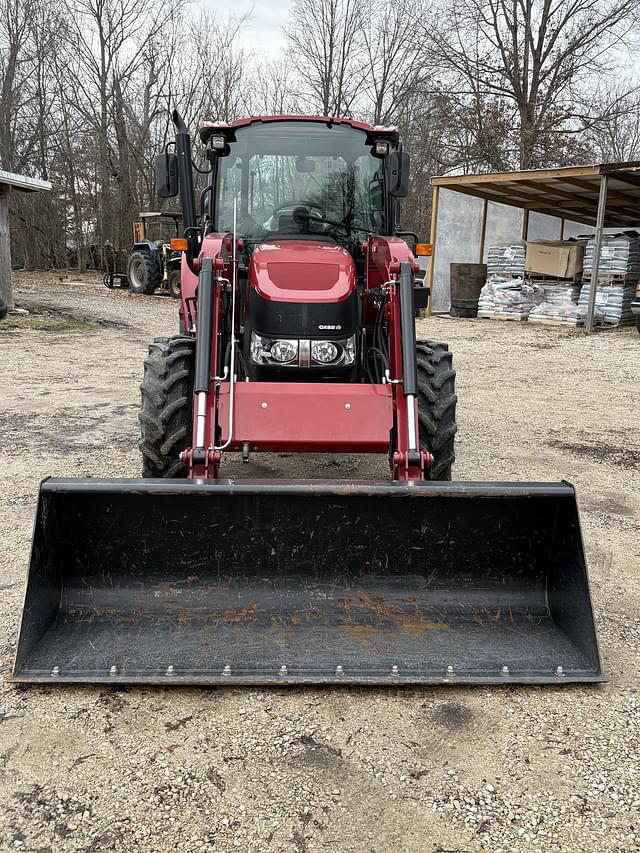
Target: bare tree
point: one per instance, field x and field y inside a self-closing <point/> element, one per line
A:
<point x="533" y="55"/>
<point x="614" y="131"/>
<point x="326" y="40"/>
<point x="394" y="60"/>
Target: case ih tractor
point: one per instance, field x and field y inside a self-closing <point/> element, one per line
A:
<point x="297" y="334"/>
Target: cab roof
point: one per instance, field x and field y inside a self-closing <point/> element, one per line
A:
<point x="209" y="128"/>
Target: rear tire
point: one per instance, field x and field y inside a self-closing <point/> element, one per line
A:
<point x="437" y="407"/>
<point x="173" y="284"/>
<point x="166" y="408"/>
<point x="145" y="272"/>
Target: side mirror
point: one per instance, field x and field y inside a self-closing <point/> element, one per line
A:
<point x="167" y="175"/>
<point x="398" y="165"/>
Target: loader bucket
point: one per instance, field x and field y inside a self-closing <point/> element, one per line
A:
<point x="149" y="581"/>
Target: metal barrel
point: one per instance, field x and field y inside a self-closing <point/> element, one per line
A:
<point x="149" y="581"/>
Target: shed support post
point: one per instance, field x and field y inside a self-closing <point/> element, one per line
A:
<point x="525" y="224"/>
<point x="595" y="265"/>
<point x="435" y="201"/>
<point x="6" y="294"/>
<point x="483" y="230"/>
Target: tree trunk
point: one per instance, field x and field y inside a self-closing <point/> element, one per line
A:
<point x="6" y="294"/>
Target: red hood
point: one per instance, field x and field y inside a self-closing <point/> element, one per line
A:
<point x="302" y="271"/>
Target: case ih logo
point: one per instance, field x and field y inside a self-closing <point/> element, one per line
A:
<point x="329" y="328"/>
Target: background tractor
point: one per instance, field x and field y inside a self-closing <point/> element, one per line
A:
<point x="297" y="334"/>
<point x="152" y="263"/>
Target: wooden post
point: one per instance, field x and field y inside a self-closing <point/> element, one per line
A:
<point x="483" y="230"/>
<point x="435" y="201"/>
<point x="6" y="294"/>
<point x="525" y="223"/>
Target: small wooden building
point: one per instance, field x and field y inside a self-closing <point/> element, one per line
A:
<point x="12" y="183"/>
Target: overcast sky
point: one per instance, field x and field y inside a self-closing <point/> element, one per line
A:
<point x="264" y="32"/>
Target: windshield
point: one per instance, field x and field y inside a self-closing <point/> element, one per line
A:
<point x="277" y="167"/>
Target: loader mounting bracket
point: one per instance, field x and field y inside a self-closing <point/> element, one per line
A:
<point x="411" y="464"/>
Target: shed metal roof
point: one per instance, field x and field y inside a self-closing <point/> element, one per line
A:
<point x="24" y="184"/>
<point x="569" y="193"/>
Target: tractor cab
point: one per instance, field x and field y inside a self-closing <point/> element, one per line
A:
<point x="303" y="196"/>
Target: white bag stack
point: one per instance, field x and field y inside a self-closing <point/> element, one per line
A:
<point x="619" y="257"/>
<point x="508" y="298"/>
<point x="560" y="306"/>
<point x="506" y="259"/>
<point x="613" y="301"/>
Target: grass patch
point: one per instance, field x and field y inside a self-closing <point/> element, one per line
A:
<point x="42" y="323"/>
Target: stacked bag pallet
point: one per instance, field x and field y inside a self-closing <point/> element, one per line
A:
<point x="559" y="305"/>
<point x="506" y="259"/>
<point x="506" y="296"/>
<point x="619" y="258"/>
<point x="540" y="281"/>
<point x="618" y="274"/>
<point x="613" y="303"/>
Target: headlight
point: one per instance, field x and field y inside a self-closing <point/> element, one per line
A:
<point x="291" y="353"/>
<point x="324" y="352"/>
<point x="284" y="351"/>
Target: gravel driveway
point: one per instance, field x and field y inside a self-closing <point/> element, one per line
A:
<point x="434" y="769"/>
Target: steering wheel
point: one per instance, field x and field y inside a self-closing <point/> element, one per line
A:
<point x="291" y="205"/>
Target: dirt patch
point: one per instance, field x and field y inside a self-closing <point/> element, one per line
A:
<point x="625" y="457"/>
<point x="65" y="432"/>
<point x="452" y="716"/>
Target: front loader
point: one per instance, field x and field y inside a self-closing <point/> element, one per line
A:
<point x="297" y="334"/>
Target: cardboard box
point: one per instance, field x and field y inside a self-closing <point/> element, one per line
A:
<point x="554" y="258"/>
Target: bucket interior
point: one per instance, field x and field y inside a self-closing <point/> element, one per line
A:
<point x="303" y="582"/>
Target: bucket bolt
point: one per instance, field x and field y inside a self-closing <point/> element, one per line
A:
<point x="170" y="670"/>
<point x="55" y="671"/>
<point x="284" y="670"/>
<point x="339" y="670"/>
<point x="559" y="671"/>
<point x="395" y="670"/>
<point x="450" y="671"/>
<point x="504" y="671"/>
<point x="226" y="670"/>
<point x="113" y="670"/>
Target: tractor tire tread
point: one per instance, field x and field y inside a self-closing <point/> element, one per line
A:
<point x="437" y="406"/>
<point x="166" y="413"/>
<point x="152" y="272"/>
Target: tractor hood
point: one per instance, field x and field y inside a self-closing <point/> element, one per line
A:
<point x="306" y="271"/>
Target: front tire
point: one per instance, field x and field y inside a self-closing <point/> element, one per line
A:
<point x="166" y="406"/>
<point x="437" y="407"/>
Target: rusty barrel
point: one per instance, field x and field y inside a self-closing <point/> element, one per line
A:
<point x="149" y="581"/>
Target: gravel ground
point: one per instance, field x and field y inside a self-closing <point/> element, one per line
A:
<point x="435" y="769"/>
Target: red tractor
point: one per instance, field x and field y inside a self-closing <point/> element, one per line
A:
<point x="297" y="333"/>
<point x="301" y="287"/>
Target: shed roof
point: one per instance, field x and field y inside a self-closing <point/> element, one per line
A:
<point x="569" y="193"/>
<point x="22" y="183"/>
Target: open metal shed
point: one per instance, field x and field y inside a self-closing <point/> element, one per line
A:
<point x="600" y="196"/>
<point x="12" y="183"/>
